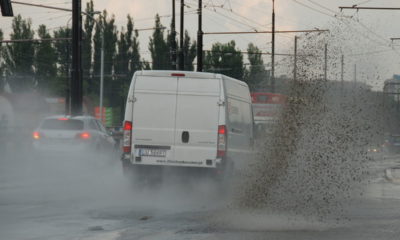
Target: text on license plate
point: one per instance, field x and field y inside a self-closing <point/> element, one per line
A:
<point x="152" y="152"/>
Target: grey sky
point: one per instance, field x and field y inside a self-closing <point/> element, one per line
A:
<point x="246" y="15"/>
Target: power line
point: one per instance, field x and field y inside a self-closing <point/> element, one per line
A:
<point x="369" y="53"/>
<point x="42" y="6"/>
<point x="258" y="53"/>
<point x="369" y="8"/>
<point x="239" y="15"/>
<point x="369" y="30"/>
<point x="336" y="17"/>
<point x="257" y="32"/>
<point x="312" y="8"/>
<point x="215" y="18"/>
<point x="322" y="6"/>
<point x="34" y="40"/>
<point x="232" y="19"/>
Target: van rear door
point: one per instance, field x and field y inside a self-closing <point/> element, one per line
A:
<point x="153" y="125"/>
<point x="197" y="115"/>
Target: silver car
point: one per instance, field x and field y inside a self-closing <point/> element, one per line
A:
<point x="65" y="134"/>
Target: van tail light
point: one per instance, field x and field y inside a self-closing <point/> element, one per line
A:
<point x="84" y="135"/>
<point x="221" y="144"/>
<point x="127" y="140"/>
<point x="36" y="135"/>
<point x="177" y="74"/>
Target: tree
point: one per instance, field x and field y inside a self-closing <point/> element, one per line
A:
<point x="133" y="43"/>
<point x="189" y="52"/>
<point x="19" y="57"/>
<point x="45" y="62"/>
<point x="127" y="60"/>
<point x="87" y="46"/>
<point x="64" y="59"/>
<point x="257" y="72"/>
<point x="160" y="54"/>
<point x="172" y="46"/>
<point x="110" y="40"/>
<point x="225" y="59"/>
<point x="121" y="59"/>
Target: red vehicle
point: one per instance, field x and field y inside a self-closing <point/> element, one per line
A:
<point x="267" y="106"/>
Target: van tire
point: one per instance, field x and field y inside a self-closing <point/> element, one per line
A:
<point x="127" y="170"/>
<point x="225" y="176"/>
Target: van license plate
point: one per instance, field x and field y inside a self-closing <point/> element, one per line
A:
<point x="152" y="152"/>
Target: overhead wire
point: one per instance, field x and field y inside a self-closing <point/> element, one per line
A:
<point x="346" y="23"/>
<point x="243" y="17"/>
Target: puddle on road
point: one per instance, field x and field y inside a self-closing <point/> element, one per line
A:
<point x="260" y="221"/>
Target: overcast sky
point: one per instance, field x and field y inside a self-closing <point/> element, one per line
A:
<point x="376" y="27"/>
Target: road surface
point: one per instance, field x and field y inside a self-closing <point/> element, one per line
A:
<point x="88" y="198"/>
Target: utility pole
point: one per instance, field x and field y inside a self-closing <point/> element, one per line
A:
<point x="200" y="40"/>
<point x="181" y="57"/>
<point x="6" y="8"/>
<point x="273" y="49"/>
<point x="101" y="74"/>
<point x="326" y="63"/>
<point x="173" y="38"/>
<point x="355" y="73"/>
<point x="76" y="82"/>
<point x="342" y="72"/>
<point x="295" y="59"/>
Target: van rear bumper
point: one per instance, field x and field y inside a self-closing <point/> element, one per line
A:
<point x="209" y="163"/>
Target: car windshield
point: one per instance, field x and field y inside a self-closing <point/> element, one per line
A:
<point x="56" y="124"/>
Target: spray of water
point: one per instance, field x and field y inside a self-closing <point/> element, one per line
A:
<point x="314" y="160"/>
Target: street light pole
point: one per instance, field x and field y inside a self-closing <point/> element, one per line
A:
<point x="101" y="75"/>
<point x="181" y="55"/>
<point x="101" y="62"/>
<point x="200" y="40"/>
<point x="273" y="49"/>
<point x="295" y="59"/>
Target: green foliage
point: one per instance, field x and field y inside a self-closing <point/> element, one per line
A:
<point x="133" y="43"/>
<point x="106" y="24"/>
<point x="121" y="60"/>
<point x="160" y="54"/>
<point x="146" y="65"/>
<point x="172" y="45"/>
<point x="127" y="61"/>
<point x="257" y="73"/>
<point x="87" y="48"/>
<point x="225" y="59"/>
<point x="45" y="62"/>
<point x="64" y="59"/>
<point x="189" y="52"/>
<point x="50" y="62"/>
<point x="110" y="41"/>
<point x="19" y="57"/>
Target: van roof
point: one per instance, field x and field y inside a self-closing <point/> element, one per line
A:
<point x="168" y="73"/>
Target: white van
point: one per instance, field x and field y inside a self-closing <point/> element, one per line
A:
<point x="187" y="119"/>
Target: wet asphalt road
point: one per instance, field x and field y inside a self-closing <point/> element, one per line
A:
<point x="87" y="198"/>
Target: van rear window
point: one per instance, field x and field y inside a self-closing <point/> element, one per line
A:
<point x="56" y="124"/>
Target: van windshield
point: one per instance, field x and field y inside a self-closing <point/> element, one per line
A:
<point x="56" y="124"/>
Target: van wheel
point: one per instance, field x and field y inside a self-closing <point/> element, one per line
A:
<point x="224" y="177"/>
<point x="128" y="171"/>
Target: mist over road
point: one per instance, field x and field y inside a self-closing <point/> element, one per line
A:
<point x="86" y="198"/>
